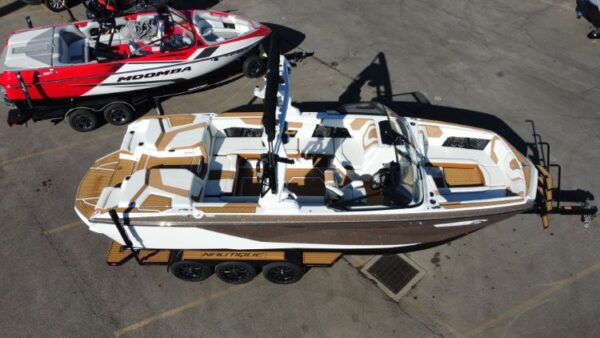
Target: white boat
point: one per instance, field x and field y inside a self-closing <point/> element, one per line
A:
<point x="364" y="179"/>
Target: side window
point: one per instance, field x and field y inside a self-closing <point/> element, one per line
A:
<point x="326" y="131"/>
<point x="243" y="132"/>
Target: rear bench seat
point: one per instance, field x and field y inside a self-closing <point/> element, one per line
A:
<point x="238" y="145"/>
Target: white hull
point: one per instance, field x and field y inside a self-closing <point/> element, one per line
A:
<point x="143" y="76"/>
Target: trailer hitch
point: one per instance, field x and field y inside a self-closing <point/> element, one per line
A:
<point x="550" y="200"/>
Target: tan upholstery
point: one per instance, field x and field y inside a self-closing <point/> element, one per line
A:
<point x="461" y="174"/>
<point x="353" y="151"/>
<point x="332" y="190"/>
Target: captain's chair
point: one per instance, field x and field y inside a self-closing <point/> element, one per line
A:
<point x="356" y="152"/>
<point x="334" y="192"/>
<point x="72" y="46"/>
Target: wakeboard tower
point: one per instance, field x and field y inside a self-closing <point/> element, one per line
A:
<point x="89" y="70"/>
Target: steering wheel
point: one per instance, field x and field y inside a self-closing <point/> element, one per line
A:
<point x="377" y="180"/>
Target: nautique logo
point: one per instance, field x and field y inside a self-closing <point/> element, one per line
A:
<point x="154" y="74"/>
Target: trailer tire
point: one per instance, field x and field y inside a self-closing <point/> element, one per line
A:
<point x="83" y="120"/>
<point x="282" y="272"/>
<point x="190" y="271"/>
<point x="54" y="5"/>
<point x="118" y="114"/>
<point x="254" y="66"/>
<point x="235" y="272"/>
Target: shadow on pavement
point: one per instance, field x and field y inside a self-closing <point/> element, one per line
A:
<point x="415" y="104"/>
<point x="11" y="7"/>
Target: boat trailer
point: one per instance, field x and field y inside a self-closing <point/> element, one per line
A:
<point x="231" y="266"/>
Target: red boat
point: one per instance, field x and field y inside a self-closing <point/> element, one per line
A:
<point x="89" y="70"/>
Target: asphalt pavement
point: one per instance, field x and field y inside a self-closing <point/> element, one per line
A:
<point x="491" y="64"/>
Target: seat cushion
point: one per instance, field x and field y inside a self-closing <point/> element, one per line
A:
<point x="219" y="187"/>
<point x="222" y="175"/>
<point x="241" y="145"/>
<point x="350" y="153"/>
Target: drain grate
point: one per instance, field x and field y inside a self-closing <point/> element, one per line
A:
<point x="394" y="274"/>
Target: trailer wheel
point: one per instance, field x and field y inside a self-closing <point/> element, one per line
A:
<point x="254" y="66"/>
<point x="235" y="272"/>
<point x="55" y="5"/>
<point x="190" y="271"/>
<point x="83" y="120"/>
<point x="118" y="114"/>
<point x="282" y="272"/>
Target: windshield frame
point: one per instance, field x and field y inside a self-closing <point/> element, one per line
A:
<point x="175" y="17"/>
<point x="413" y="156"/>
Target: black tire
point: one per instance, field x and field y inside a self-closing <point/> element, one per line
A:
<point x="118" y="114"/>
<point x="90" y="14"/>
<point x="190" y="271"/>
<point x="282" y="272"/>
<point x="235" y="272"/>
<point x="254" y="66"/>
<point x="83" y="120"/>
<point x="55" y="5"/>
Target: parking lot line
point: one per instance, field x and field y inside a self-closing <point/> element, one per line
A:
<point x="177" y="310"/>
<point x="59" y="148"/>
<point x="61" y="228"/>
<point x="532" y="302"/>
<point x="432" y="316"/>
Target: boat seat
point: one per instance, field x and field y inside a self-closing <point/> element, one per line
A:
<point x="461" y="174"/>
<point x="180" y="185"/>
<point x="222" y="176"/>
<point x="206" y="27"/>
<point x="72" y="46"/>
<point x="356" y="152"/>
<point x="353" y="190"/>
<point x="332" y="189"/>
<point x="239" y="145"/>
<point x="317" y="146"/>
<point x="109" y="198"/>
<point x="157" y="135"/>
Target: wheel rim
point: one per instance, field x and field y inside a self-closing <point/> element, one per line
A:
<point x="56" y="4"/>
<point x="83" y="122"/>
<point x="117" y="115"/>
<point x="190" y="271"/>
<point x="236" y="273"/>
<point x="281" y="274"/>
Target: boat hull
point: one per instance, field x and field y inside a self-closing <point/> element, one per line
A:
<point x="376" y="232"/>
<point x="120" y="78"/>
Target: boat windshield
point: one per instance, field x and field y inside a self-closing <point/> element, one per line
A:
<point x="408" y="157"/>
<point x="179" y="33"/>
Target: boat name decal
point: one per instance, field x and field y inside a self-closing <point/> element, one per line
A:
<point x="154" y="74"/>
<point x="238" y="255"/>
